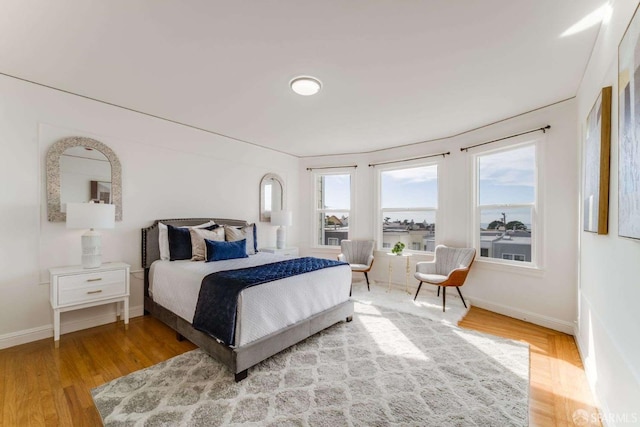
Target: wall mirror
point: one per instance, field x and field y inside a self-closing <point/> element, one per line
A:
<point x="80" y="170"/>
<point x="271" y="195"/>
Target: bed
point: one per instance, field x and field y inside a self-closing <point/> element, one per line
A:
<point x="270" y="317"/>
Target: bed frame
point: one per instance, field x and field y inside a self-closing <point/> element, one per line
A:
<point x="237" y="359"/>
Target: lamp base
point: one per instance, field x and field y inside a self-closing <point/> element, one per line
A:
<point x="281" y="237"/>
<point x="91" y="249"/>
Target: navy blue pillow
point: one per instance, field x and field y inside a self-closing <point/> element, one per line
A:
<point x="180" y="241"/>
<point x="218" y="251"/>
<point x="255" y="239"/>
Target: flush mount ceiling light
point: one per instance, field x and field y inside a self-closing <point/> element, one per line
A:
<point x="305" y="85"/>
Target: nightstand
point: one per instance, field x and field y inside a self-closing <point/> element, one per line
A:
<point x="73" y="288"/>
<point x="288" y="252"/>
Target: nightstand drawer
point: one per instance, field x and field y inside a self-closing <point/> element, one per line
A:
<point x="90" y="286"/>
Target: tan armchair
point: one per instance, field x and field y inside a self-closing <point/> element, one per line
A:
<point x="449" y="267"/>
<point x="359" y="255"/>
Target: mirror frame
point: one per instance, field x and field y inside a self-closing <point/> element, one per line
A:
<point x="54" y="214"/>
<point x="275" y="177"/>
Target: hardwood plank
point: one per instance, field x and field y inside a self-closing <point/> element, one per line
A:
<point x="45" y="393"/>
<point x="42" y="385"/>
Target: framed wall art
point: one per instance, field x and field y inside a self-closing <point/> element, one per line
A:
<point x="597" y="148"/>
<point x="629" y="131"/>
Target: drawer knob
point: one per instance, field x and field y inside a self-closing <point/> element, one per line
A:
<point x="94" y="292"/>
<point x="94" y="280"/>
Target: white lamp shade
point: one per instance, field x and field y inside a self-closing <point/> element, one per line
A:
<point x="282" y="218"/>
<point x="91" y="215"/>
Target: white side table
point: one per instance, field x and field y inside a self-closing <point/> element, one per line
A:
<point x="403" y="256"/>
<point x="74" y="287"/>
<point x="288" y="252"/>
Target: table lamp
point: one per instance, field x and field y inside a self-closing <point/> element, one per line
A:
<point x="92" y="216"/>
<point x="283" y="219"/>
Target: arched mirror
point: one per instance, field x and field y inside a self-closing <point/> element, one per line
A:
<point x="271" y="195"/>
<point x="80" y="170"/>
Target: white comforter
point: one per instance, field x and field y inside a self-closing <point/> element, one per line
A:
<point x="262" y="309"/>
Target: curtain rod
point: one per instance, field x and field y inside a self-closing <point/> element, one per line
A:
<point x="544" y="130"/>
<point x="334" y="167"/>
<point x="412" y="158"/>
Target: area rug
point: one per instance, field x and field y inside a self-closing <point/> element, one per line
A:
<point x="428" y="304"/>
<point x="384" y="368"/>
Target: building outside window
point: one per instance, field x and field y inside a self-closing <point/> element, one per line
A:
<point x="408" y="204"/>
<point x="333" y="207"/>
<point x="506" y="204"/>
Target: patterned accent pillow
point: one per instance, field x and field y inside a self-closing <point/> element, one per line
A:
<point x="233" y="234"/>
<point x="218" y="251"/>
<point x="197" y="241"/>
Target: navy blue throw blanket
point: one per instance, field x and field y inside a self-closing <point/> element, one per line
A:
<point x="218" y="300"/>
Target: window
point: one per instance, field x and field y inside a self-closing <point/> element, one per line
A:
<point x="506" y="203"/>
<point x="513" y="257"/>
<point x="408" y="205"/>
<point x="333" y="208"/>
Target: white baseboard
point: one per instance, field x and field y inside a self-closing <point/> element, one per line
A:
<point x="589" y="374"/>
<point x="42" y="332"/>
<point x="527" y="316"/>
<point x="27" y="335"/>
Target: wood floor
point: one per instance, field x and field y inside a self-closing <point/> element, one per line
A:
<point x="558" y="385"/>
<point x="41" y="385"/>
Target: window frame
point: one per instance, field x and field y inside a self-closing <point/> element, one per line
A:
<point x="377" y="231"/>
<point x="315" y="211"/>
<point x="536" y="207"/>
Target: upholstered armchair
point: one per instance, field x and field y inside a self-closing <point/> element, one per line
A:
<point x="449" y="267"/>
<point x="359" y="255"/>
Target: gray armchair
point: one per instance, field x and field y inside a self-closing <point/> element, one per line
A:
<point x="359" y="255"/>
<point x="449" y="267"/>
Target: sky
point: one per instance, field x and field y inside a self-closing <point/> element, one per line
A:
<point x="505" y="177"/>
<point x="337" y="191"/>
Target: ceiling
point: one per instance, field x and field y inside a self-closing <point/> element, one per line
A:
<point x="393" y="72"/>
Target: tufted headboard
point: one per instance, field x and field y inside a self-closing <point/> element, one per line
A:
<point x="150" y="248"/>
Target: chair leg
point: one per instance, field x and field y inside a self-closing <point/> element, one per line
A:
<point x="444" y="297"/>
<point x="438" y="290"/>
<point x="367" y="277"/>
<point x="350" y="289"/>
<point x="419" y="286"/>
<point x="460" y="293"/>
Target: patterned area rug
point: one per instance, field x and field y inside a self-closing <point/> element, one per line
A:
<point x="428" y="304"/>
<point x="386" y="367"/>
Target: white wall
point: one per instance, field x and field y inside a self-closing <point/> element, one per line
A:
<point x="169" y="171"/>
<point x="545" y="296"/>
<point x="609" y="285"/>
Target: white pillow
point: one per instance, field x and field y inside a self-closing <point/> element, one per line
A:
<point x="198" y="247"/>
<point x="233" y="234"/>
<point x="163" y="238"/>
